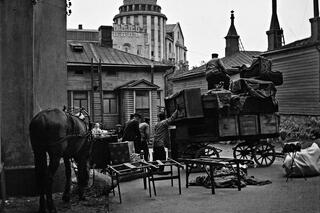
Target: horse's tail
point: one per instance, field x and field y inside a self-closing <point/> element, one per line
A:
<point x="40" y="161"/>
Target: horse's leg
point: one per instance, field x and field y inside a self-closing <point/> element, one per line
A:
<point x="40" y="161"/>
<point x="53" y="166"/>
<point x="66" y="193"/>
<point x="83" y="176"/>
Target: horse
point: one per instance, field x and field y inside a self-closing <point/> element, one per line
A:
<point x="59" y="134"/>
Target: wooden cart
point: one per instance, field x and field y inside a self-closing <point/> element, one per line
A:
<point x="195" y="137"/>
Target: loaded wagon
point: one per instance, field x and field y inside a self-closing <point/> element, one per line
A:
<point x="206" y="119"/>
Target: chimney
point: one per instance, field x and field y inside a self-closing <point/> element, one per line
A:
<point x="232" y="39"/>
<point x="214" y="55"/>
<point x="275" y="33"/>
<point x="105" y="36"/>
<point x="315" y="22"/>
<point x="80" y="27"/>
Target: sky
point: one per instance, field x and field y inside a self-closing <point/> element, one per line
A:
<point x="205" y="23"/>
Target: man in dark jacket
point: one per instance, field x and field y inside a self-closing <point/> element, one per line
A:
<point x="216" y="73"/>
<point x="132" y="132"/>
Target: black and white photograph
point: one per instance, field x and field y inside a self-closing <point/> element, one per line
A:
<point x="159" y="106"/>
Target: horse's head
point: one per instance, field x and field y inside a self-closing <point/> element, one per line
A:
<point x="83" y="156"/>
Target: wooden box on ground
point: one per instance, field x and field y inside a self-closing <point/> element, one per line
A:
<point x="248" y="125"/>
<point x="188" y="102"/>
<point x="269" y="123"/>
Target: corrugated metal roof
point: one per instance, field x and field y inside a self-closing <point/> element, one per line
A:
<point x="237" y="59"/>
<point x="108" y="56"/>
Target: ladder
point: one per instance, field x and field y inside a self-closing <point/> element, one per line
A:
<point x="96" y="92"/>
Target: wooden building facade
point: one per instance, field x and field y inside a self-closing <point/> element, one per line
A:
<point x="299" y="63"/>
<point x="112" y="84"/>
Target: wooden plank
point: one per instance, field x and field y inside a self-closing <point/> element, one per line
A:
<point x="228" y="126"/>
<point x="248" y="125"/>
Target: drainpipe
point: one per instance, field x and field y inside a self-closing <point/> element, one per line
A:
<point x="152" y="72"/>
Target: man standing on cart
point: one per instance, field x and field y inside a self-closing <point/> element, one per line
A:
<point x="216" y="73"/>
<point x="161" y="136"/>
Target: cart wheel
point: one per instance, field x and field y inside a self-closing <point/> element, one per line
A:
<point x="264" y="154"/>
<point x="207" y="151"/>
<point x="242" y="151"/>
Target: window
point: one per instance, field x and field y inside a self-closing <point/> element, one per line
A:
<point x="126" y="47"/>
<point x="139" y="49"/>
<point x="110" y="103"/>
<point x="142" y="103"/>
<point x="128" y="20"/>
<point x="143" y="7"/>
<point x="152" y="21"/>
<point x="142" y="99"/>
<point x="144" y="21"/>
<point x="136" y="21"/>
<point x="79" y="72"/>
<point x="158" y="98"/>
<point x="159" y="36"/>
<point x="80" y="99"/>
<point x="152" y="35"/>
<point x="170" y="48"/>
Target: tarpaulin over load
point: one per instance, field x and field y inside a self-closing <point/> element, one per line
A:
<point x="253" y="96"/>
<point x="261" y="69"/>
<point x="305" y="163"/>
<point x="254" y="88"/>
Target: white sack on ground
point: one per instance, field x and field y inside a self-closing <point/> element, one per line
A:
<point x="306" y="162"/>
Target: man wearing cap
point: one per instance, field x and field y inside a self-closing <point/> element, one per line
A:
<point x="132" y="132"/>
<point x="216" y="73"/>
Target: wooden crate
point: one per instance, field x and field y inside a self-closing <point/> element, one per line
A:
<point x="248" y="125"/>
<point x="188" y="101"/>
<point x="269" y="123"/>
<point x="228" y="126"/>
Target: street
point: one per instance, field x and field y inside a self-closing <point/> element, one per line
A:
<point x="296" y="195"/>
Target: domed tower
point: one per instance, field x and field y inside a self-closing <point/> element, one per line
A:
<point x="141" y="17"/>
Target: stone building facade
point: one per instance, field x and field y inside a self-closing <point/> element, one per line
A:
<point x="140" y="28"/>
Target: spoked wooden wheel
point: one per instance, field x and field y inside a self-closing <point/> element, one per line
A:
<point x="207" y="151"/>
<point x="242" y="151"/>
<point x="264" y="154"/>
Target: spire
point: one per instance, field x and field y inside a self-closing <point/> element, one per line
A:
<point x="232" y="30"/>
<point x="232" y="38"/>
<point x="274" y="19"/>
<point x="275" y="33"/>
